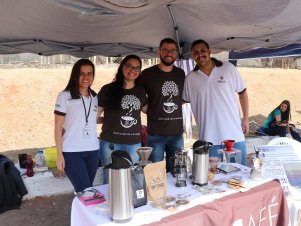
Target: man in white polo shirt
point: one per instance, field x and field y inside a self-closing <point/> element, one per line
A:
<point x="212" y="88"/>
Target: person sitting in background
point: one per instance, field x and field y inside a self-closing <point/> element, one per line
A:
<point x="277" y="122"/>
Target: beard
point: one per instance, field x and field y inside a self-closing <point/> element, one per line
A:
<point x="163" y="61"/>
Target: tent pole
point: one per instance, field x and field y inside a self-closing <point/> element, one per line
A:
<point x="176" y="30"/>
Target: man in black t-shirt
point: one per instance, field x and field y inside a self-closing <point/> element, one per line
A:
<point x="163" y="84"/>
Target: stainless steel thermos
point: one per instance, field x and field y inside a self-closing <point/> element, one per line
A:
<point x="121" y="208"/>
<point x="200" y="162"/>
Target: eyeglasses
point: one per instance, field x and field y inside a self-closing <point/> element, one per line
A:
<point x="131" y="67"/>
<point x="167" y="51"/>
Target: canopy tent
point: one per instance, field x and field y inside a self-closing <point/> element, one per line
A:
<point x="119" y="27"/>
<point x="291" y="50"/>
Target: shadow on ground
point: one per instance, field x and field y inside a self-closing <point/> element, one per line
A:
<point x="40" y="211"/>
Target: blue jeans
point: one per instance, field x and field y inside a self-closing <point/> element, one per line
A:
<point x="238" y="145"/>
<point x="106" y="149"/>
<point x="295" y="135"/>
<point x="81" y="167"/>
<point x="274" y="131"/>
<point x="169" y="144"/>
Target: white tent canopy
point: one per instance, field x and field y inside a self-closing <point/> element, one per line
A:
<point x="119" y="27"/>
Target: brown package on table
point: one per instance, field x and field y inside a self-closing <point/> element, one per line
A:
<point x="155" y="178"/>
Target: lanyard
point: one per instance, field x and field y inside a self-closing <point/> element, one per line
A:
<point x="87" y="115"/>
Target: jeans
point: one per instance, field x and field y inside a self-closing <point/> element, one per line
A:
<point x="295" y="135"/>
<point x="238" y="145"/>
<point x="169" y="144"/>
<point x="81" y="167"/>
<point x="106" y="149"/>
<point x="274" y="131"/>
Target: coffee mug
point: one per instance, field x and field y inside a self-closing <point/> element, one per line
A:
<point x="228" y="144"/>
<point x="128" y="121"/>
<point x="169" y="107"/>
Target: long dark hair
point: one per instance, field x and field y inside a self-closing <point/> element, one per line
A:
<point x="117" y="88"/>
<point x="73" y="84"/>
<point x="287" y="114"/>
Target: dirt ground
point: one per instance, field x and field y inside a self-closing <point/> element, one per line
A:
<point x="40" y="211"/>
<point x="27" y="98"/>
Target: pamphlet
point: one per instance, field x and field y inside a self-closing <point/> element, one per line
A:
<point x="283" y="162"/>
<point x="90" y="197"/>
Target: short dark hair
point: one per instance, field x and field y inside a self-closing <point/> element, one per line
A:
<point x="168" y="41"/>
<point x="199" y="41"/>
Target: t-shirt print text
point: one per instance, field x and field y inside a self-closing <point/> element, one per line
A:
<point x="221" y="80"/>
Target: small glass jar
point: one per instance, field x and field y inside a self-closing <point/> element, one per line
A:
<point x="181" y="175"/>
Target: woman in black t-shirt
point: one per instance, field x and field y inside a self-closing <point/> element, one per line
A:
<point x="121" y="102"/>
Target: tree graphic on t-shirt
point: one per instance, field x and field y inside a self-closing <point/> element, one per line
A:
<point x="170" y="89"/>
<point x="131" y="103"/>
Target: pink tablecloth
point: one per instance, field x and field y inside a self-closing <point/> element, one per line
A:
<point x="263" y="205"/>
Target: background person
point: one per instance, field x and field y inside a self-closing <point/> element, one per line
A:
<point x="122" y="101"/>
<point x="212" y="88"/>
<point x="277" y="122"/>
<point x="164" y="86"/>
<point x="75" y="127"/>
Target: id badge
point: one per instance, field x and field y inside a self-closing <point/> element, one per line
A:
<point x="87" y="132"/>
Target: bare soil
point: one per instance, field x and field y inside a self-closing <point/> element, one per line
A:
<point x="40" y="211"/>
<point x="27" y="100"/>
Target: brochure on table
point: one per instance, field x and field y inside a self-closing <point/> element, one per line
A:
<point x="284" y="163"/>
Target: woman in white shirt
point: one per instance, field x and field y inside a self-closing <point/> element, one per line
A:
<point x="75" y="132"/>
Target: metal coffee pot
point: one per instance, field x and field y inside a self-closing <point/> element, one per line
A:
<point x="200" y="162"/>
<point x="121" y="208"/>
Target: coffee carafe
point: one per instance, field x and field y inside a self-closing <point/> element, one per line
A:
<point x="200" y="162"/>
<point x="121" y="208"/>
